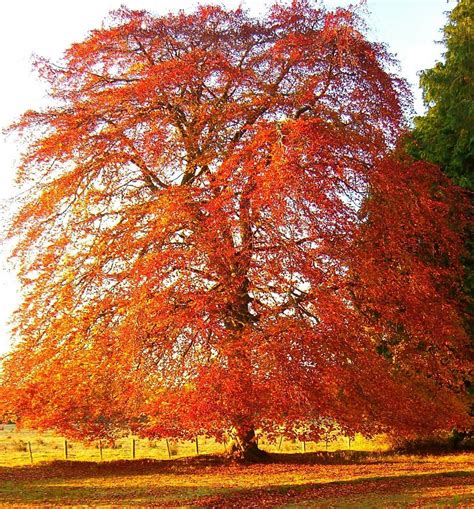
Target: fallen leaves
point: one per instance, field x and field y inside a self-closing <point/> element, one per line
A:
<point x="212" y="481"/>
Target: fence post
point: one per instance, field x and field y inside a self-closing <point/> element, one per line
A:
<point x="31" y="454"/>
<point x="168" y="447"/>
<point x="65" y="449"/>
<point x="281" y="442"/>
<point x="133" y="448"/>
<point x="197" y="445"/>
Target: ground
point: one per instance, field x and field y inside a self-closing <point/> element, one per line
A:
<point x="372" y="478"/>
<point x="348" y="480"/>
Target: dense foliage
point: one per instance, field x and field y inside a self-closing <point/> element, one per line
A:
<point x="219" y="234"/>
<point x="445" y="135"/>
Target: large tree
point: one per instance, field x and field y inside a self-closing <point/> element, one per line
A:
<point x="219" y="234"/>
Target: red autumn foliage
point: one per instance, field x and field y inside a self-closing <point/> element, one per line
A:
<point x="219" y="232"/>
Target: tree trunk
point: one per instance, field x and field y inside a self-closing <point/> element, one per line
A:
<point x="244" y="446"/>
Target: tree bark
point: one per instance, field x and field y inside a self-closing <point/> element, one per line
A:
<point x="244" y="446"/>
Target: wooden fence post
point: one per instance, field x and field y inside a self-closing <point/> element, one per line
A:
<point x="31" y="454"/>
<point x="133" y="448"/>
<point x="65" y="449"/>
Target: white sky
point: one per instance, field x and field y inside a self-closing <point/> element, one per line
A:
<point x="47" y="27"/>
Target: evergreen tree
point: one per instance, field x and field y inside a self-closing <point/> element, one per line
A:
<point x="445" y="135"/>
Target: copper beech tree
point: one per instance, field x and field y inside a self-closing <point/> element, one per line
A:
<point x="219" y="234"/>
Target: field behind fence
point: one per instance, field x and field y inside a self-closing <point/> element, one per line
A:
<point x="24" y="447"/>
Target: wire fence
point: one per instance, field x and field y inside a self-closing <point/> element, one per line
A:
<point x="29" y="447"/>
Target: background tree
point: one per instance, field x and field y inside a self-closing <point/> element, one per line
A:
<point x="218" y="235"/>
<point x="445" y="134"/>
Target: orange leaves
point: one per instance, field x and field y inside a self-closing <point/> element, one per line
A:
<point x="217" y="234"/>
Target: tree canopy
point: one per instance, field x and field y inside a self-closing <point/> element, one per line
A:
<point x="220" y="233"/>
<point x="445" y="135"/>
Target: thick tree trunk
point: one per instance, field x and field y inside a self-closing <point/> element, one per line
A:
<point x="244" y="446"/>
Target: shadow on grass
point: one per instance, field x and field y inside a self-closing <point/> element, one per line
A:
<point x="90" y="469"/>
<point x="50" y="493"/>
<point x="331" y="458"/>
<point x="386" y="490"/>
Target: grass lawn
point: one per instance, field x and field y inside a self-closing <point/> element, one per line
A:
<point x="342" y="480"/>
<point x="46" y="446"/>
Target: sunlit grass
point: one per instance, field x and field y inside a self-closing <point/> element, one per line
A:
<point x="46" y="446"/>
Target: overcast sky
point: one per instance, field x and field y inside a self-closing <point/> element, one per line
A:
<point x="47" y="27"/>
